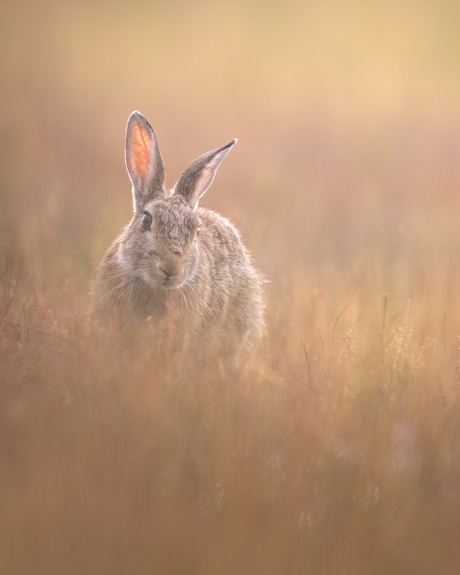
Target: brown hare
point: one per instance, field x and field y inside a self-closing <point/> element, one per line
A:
<point x="178" y="269"/>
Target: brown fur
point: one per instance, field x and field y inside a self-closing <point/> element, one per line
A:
<point x="187" y="277"/>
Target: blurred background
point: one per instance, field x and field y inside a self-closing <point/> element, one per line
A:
<point x="345" y="184"/>
<point x="347" y="116"/>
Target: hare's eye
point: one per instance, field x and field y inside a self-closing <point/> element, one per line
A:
<point x="198" y="230"/>
<point x="146" y="221"/>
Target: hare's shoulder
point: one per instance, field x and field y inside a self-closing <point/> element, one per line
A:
<point x="215" y="225"/>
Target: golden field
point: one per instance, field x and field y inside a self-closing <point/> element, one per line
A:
<point x="334" y="448"/>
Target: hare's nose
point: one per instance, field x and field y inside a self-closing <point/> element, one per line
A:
<point x="168" y="271"/>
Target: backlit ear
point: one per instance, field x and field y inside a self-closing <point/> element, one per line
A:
<point x="197" y="178"/>
<point x="143" y="161"/>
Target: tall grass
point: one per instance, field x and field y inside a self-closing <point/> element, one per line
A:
<point x="335" y="446"/>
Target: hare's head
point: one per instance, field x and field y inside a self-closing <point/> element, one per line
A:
<point x="161" y="244"/>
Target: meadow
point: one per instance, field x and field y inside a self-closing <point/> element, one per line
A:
<point x="332" y="448"/>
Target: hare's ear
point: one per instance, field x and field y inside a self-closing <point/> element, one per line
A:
<point x="197" y="178"/>
<point x="143" y="161"/>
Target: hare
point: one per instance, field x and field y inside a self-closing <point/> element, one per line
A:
<point x="178" y="268"/>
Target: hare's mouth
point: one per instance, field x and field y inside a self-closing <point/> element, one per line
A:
<point x="172" y="283"/>
<point x="162" y="280"/>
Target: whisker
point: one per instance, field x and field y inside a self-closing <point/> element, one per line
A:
<point x="193" y="290"/>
